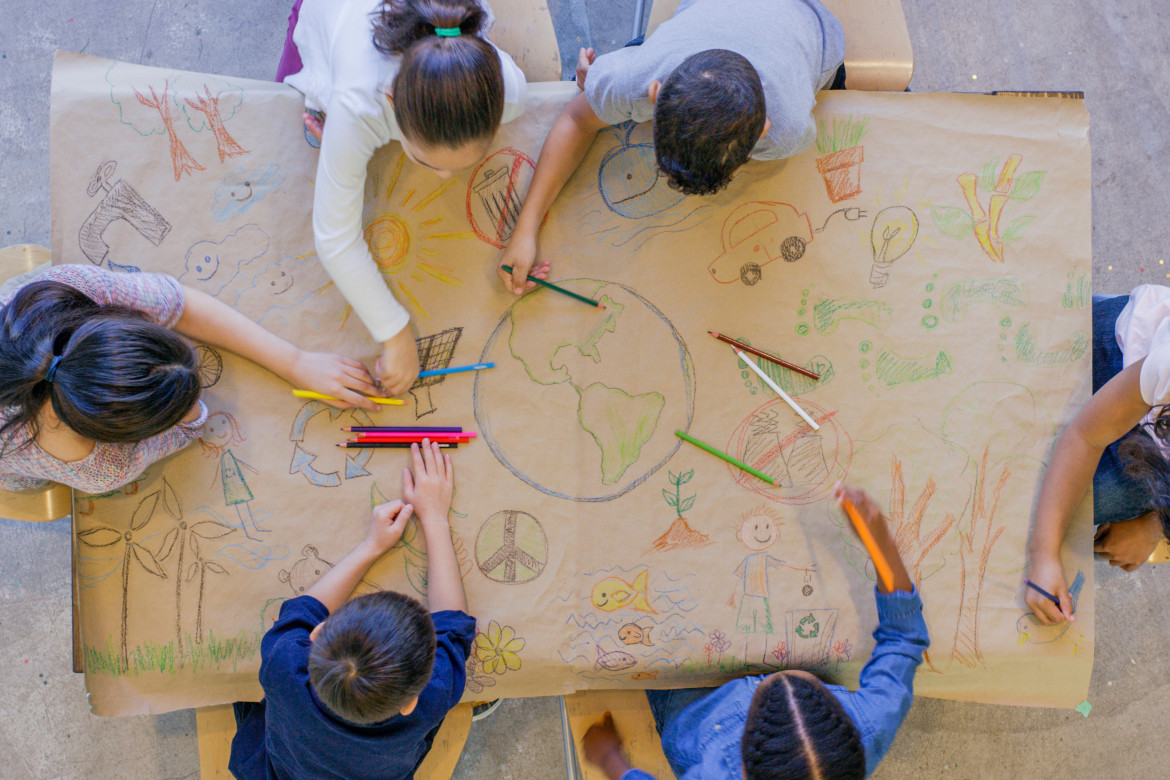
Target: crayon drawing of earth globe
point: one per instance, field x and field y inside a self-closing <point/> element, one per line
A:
<point x="583" y="402"/>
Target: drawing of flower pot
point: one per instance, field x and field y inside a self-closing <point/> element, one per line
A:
<point x="842" y="173"/>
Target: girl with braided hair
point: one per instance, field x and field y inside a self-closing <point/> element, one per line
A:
<point x="790" y="725"/>
<point x="420" y="72"/>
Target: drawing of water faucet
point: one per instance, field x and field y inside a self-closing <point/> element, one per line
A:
<point x="121" y="201"/>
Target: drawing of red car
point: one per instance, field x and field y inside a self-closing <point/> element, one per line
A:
<point x="757" y="233"/>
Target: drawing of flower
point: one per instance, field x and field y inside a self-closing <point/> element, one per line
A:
<point x="842" y="652"/>
<point x="498" y="649"/>
<point x="780" y="653"/>
<point x="719" y="643"/>
<point x="476" y="682"/>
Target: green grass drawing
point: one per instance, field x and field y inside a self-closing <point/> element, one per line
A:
<point x="212" y="654"/>
<point x="829" y="312"/>
<point x="1068" y="351"/>
<point x="891" y="369"/>
<point x="959" y="297"/>
<point x="840" y="134"/>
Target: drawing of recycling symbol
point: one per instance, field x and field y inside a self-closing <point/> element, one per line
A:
<point x="811" y="623"/>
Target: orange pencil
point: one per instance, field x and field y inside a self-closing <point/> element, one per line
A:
<point x="884" y="572"/>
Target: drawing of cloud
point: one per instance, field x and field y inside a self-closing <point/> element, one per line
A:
<point x="212" y="265"/>
<point x="244" y="187"/>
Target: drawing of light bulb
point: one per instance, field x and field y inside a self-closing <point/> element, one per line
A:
<point x="893" y="233"/>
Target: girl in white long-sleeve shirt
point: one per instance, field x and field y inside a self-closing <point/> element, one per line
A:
<point x="414" y="71"/>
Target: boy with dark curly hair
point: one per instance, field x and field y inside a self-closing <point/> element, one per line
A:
<point x="790" y="724"/>
<point x="722" y="80"/>
<point x="359" y="688"/>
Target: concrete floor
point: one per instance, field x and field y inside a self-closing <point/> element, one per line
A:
<point x="1115" y="52"/>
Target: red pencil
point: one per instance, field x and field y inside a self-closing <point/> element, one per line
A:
<point x="435" y="439"/>
<point x="414" y="436"/>
<point x="388" y="445"/>
<point x="420" y="429"/>
<point x="764" y="355"/>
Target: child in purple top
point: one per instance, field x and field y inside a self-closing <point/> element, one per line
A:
<point x="790" y="724"/>
<point x="359" y="690"/>
<point x="96" y="384"/>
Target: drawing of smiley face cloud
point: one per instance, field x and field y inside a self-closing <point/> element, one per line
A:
<point x="757" y="233"/>
<point x="275" y="290"/>
<point x="244" y="187"/>
<point x="212" y="265"/>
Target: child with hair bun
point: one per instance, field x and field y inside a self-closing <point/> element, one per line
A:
<point x="790" y="724"/>
<point x="96" y="382"/>
<point x="420" y="72"/>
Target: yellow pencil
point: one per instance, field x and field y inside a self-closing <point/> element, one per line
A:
<point x="320" y="397"/>
<point x="884" y="572"/>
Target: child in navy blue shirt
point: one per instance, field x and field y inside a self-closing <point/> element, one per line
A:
<point x="790" y="724"/>
<point x="359" y="688"/>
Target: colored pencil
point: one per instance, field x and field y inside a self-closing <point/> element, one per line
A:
<point x="436" y="439"/>
<point x="720" y="454"/>
<point x="403" y="429"/>
<point x="455" y="370"/>
<point x="416" y="435"/>
<point x="388" y="445"/>
<point x="1043" y="592"/>
<point x="320" y="397"/>
<point x="559" y="289"/>
<point x="768" y="380"/>
<point x="764" y="355"/>
<point x="884" y="572"/>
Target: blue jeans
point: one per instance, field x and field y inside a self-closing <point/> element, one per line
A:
<point x="1116" y="495"/>
<point x="667" y="704"/>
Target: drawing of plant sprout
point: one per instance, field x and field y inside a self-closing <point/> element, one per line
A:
<point x="842" y="133"/>
<point x="841" y="155"/>
<point x="149" y="111"/>
<point x="842" y="652"/>
<point x="176" y="541"/>
<point x="201" y="566"/>
<point x="780" y="653"/>
<point x="104" y="536"/>
<point x="214" y="104"/>
<point x="675" y="499"/>
<point x="1004" y="186"/>
<point x="975" y="545"/>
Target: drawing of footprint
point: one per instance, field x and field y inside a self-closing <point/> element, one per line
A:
<point x="829" y="312"/>
<point x="1068" y="351"/>
<point x="962" y="295"/>
<point x="891" y="369"/>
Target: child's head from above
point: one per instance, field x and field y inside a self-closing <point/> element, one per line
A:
<point x="372" y="657"/>
<point x="796" y="728"/>
<point x="117" y="378"/>
<point x="758" y="529"/>
<point x="448" y="94"/>
<point x="1144" y="455"/>
<point x="708" y="116"/>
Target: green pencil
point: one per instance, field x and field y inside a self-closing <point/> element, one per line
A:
<point x="719" y="454"/>
<point x="559" y="289"/>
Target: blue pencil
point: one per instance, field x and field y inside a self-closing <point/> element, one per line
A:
<point x="1043" y="592"/>
<point x="456" y="370"/>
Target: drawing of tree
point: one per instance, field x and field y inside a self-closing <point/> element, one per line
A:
<point x="149" y="111"/>
<point x="201" y="566"/>
<point x="104" y="536"/>
<point x="214" y="102"/>
<point x="975" y="545"/>
<point x="176" y="539"/>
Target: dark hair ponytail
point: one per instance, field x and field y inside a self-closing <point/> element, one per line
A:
<point x="119" y="379"/>
<point x="449" y="91"/>
<point x="1144" y="459"/>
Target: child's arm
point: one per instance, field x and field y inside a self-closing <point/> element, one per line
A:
<point x="208" y="319"/>
<point x="881" y="534"/>
<point x="566" y="146"/>
<point x="603" y="747"/>
<point x="429" y="489"/>
<point x="387" y="522"/>
<point x="1108" y="415"/>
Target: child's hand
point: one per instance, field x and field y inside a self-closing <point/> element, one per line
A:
<point x="521" y="256"/>
<point x="397" y="368"/>
<point x="871" y="515"/>
<point x="585" y="58"/>
<point x="1047" y="573"/>
<point x="315" y="126"/>
<point x="334" y="375"/>
<point x="1129" y="543"/>
<point x="387" y="522"/>
<point x="429" y="488"/>
<point x="603" y="747"/>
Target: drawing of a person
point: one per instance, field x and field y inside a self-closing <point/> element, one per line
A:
<point x="758" y="530"/>
<point x="220" y="432"/>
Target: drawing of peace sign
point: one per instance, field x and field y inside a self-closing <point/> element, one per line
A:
<point x="511" y="547"/>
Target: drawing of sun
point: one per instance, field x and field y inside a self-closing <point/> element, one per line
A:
<point x="405" y="241"/>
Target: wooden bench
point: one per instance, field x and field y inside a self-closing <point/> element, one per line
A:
<point x="633" y="720"/>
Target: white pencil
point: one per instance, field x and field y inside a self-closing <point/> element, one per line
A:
<point x="752" y="365"/>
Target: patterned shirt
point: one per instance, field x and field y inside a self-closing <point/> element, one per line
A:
<point x="108" y="466"/>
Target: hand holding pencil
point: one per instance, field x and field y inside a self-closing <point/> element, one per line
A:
<point x="874" y="532"/>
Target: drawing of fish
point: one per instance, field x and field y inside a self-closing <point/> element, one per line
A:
<point x="632" y="634"/>
<point x="614" y="660"/>
<point x="613" y="593"/>
<point x="644" y="675"/>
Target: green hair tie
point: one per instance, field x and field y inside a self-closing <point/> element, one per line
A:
<point x="447" y="32"/>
